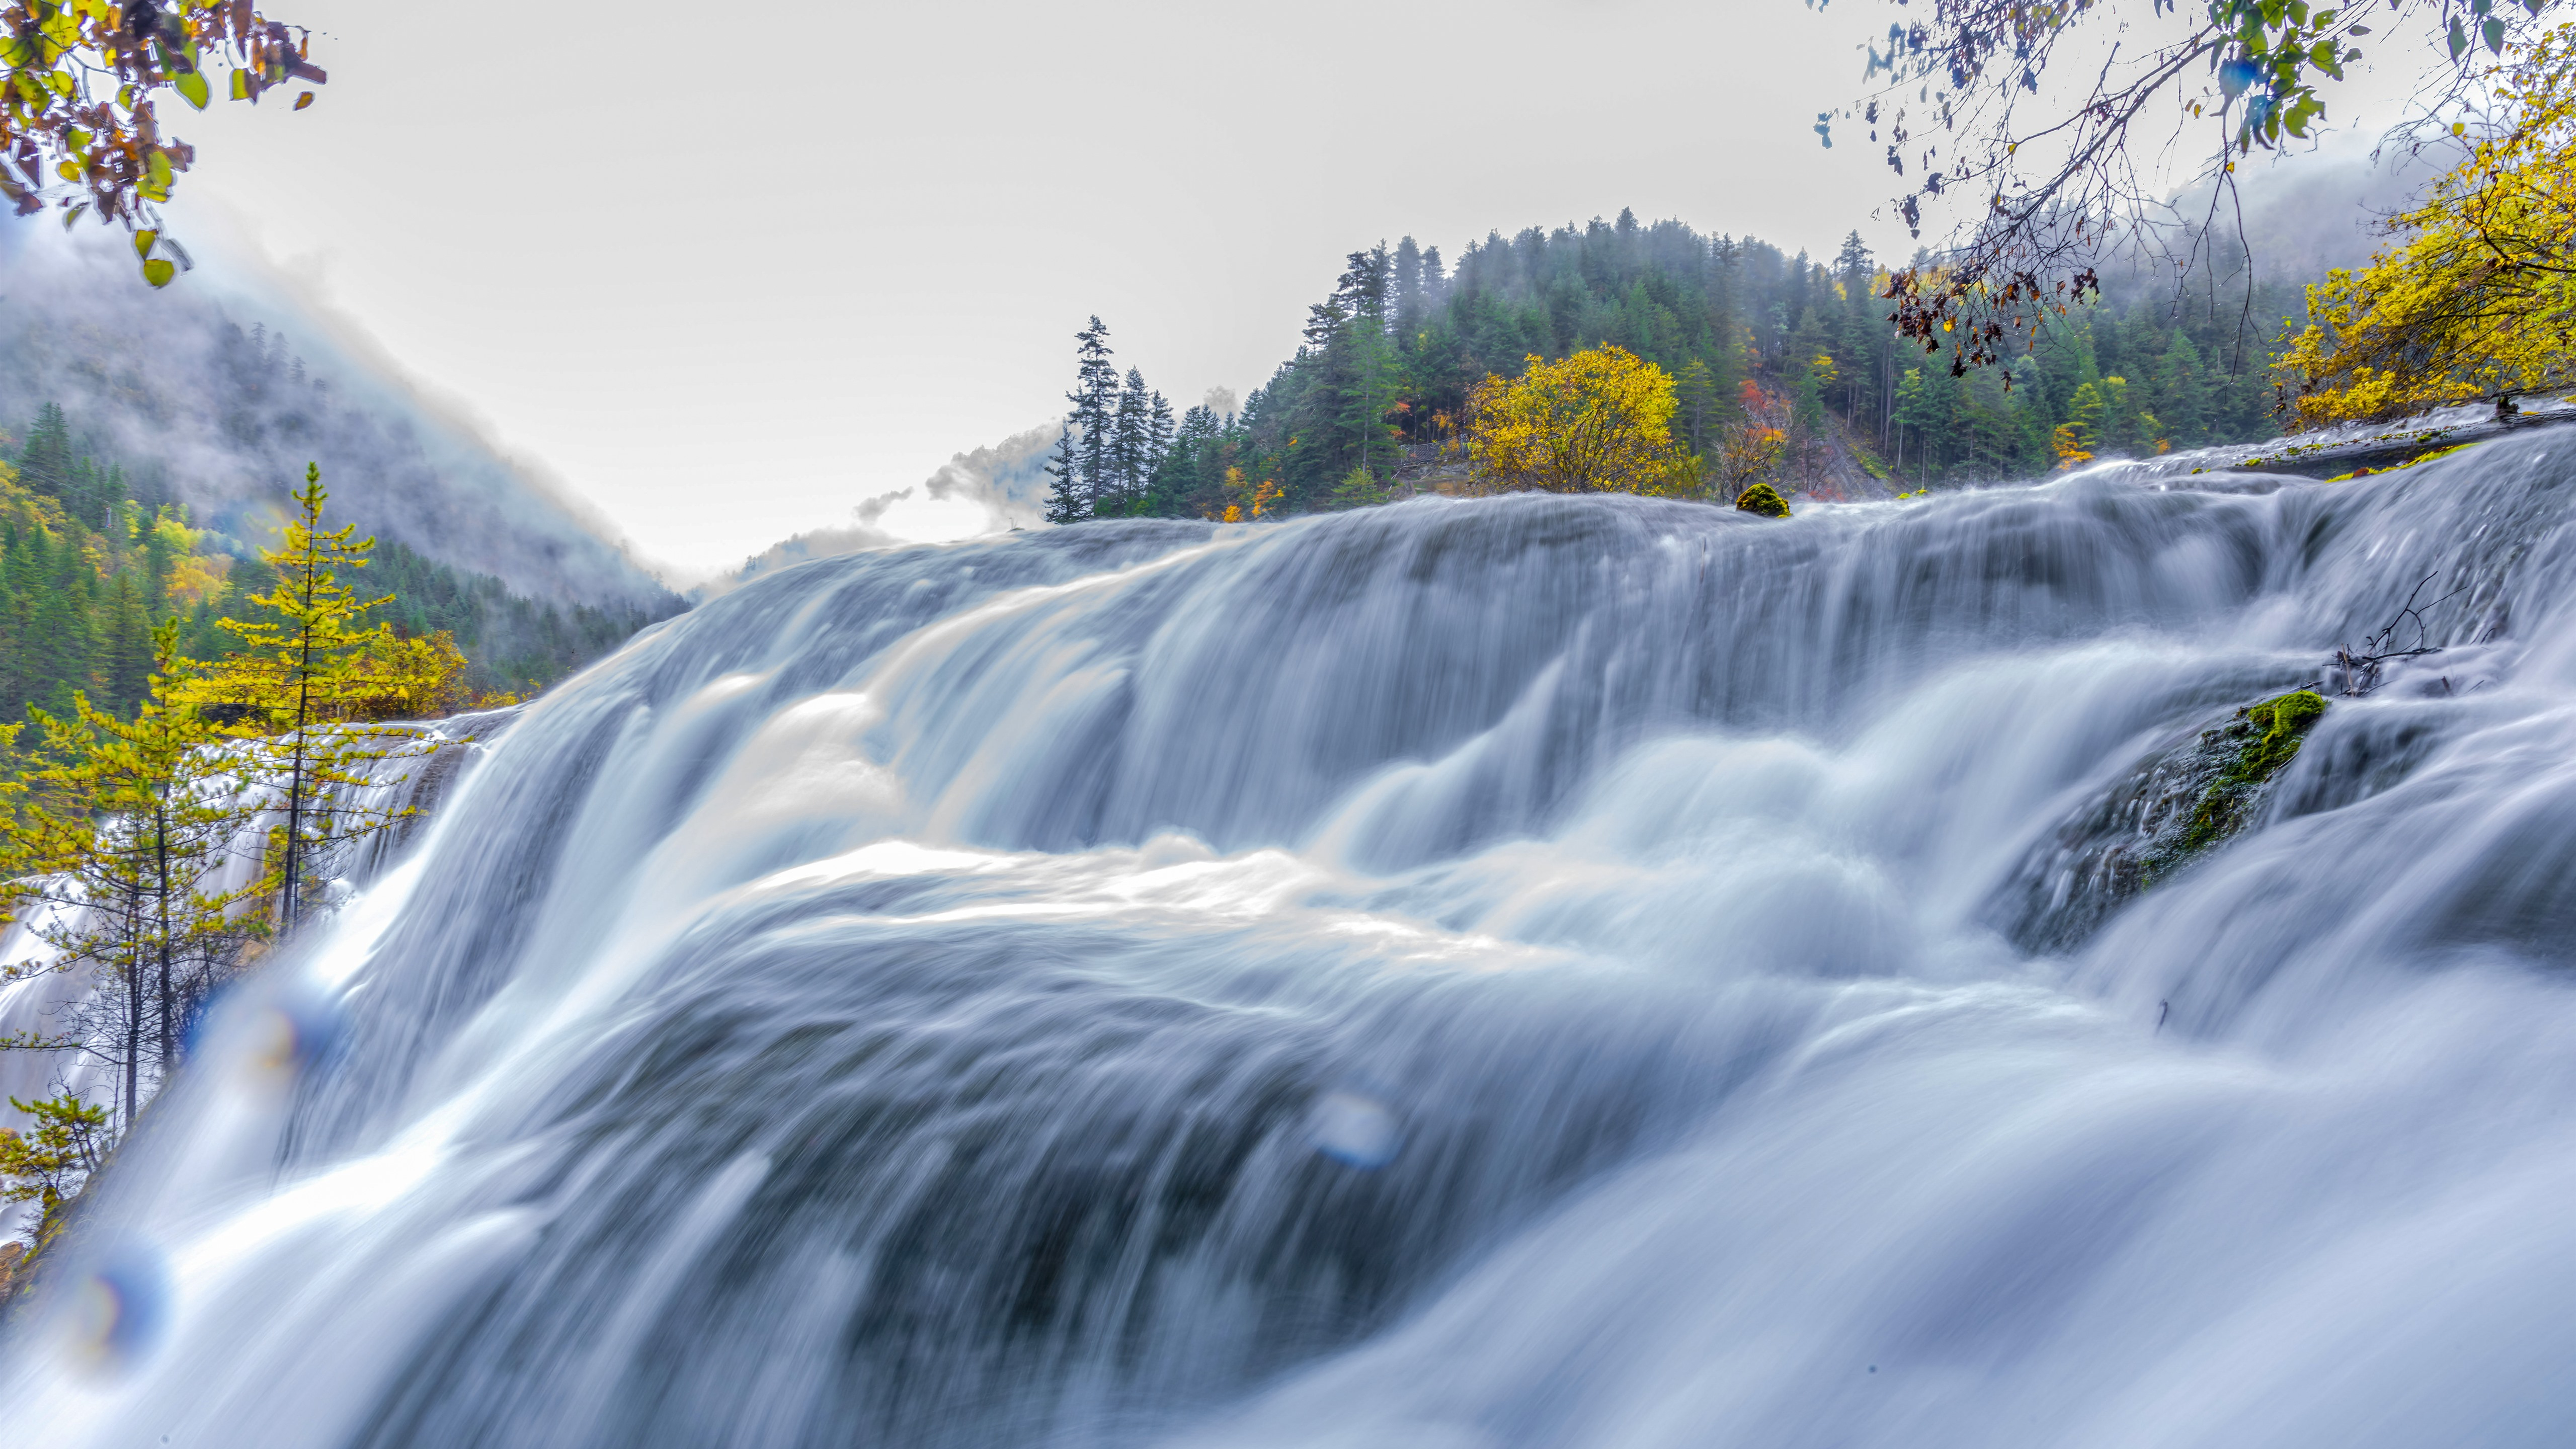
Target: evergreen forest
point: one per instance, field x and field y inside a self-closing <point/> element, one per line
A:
<point x="93" y="555"/>
<point x="1381" y="386"/>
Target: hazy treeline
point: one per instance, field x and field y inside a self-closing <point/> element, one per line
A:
<point x="1390" y="357"/>
<point x="205" y="402"/>
<point x="93" y="553"/>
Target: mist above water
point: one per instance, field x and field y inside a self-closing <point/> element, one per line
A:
<point x="1526" y="971"/>
<point x="218" y="399"/>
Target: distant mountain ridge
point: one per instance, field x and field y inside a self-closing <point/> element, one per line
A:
<point x="217" y="397"/>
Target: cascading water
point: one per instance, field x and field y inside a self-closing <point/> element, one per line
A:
<point x="1526" y="972"/>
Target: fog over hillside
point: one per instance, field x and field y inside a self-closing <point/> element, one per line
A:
<point x="217" y="391"/>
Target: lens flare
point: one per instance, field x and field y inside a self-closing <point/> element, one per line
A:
<point x="118" y="1310"/>
<point x="1354" y="1130"/>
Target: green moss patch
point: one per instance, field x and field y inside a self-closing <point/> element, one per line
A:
<point x="1763" y="499"/>
<point x="2272" y="732"/>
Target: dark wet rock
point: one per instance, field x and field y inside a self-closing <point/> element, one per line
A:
<point x="2190" y="792"/>
<point x="2397" y="448"/>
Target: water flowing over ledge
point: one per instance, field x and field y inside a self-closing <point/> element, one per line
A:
<point x="1525" y="972"/>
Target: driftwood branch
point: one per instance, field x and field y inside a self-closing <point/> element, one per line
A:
<point x="2360" y="670"/>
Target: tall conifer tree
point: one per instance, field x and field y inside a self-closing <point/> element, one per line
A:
<point x="293" y="681"/>
<point x="45" y="464"/>
<point x="1095" y="405"/>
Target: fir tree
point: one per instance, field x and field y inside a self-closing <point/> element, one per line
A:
<point x="117" y="829"/>
<point x="1695" y="390"/>
<point x="294" y="676"/>
<point x="1159" y="433"/>
<point x="1095" y="402"/>
<point x="125" y="664"/>
<point x="1131" y="445"/>
<point x="45" y="464"/>
<point x="1068" y="500"/>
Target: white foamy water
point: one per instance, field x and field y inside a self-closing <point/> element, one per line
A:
<point x="1525" y="972"/>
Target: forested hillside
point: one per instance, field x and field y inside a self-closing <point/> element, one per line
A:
<point x="218" y="398"/>
<point x="93" y="553"/>
<point x="151" y="440"/>
<point x="1390" y="358"/>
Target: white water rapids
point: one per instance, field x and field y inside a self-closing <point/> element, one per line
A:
<point x="1508" y="974"/>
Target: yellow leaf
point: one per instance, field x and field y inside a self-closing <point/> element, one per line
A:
<point x="143" y="241"/>
<point x="159" y="272"/>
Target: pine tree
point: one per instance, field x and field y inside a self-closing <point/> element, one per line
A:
<point x="295" y="679"/>
<point x="45" y="464"/>
<point x="1324" y="322"/>
<point x="126" y="664"/>
<point x="61" y="642"/>
<point x="1095" y="401"/>
<point x="1361" y="290"/>
<point x="1068" y="501"/>
<point x="2182" y="393"/>
<point x="1696" y="392"/>
<point x="1410" y="304"/>
<point x="112" y="840"/>
<point x="1159" y="432"/>
<point x="1131" y="444"/>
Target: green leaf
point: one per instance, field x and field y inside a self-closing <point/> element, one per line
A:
<point x="159" y="272"/>
<point x="2495" y="35"/>
<point x="191" y="85"/>
<point x="143" y="242"/>
<point x="2459" y="40"/>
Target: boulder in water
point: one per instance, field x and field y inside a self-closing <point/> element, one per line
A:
<point x="1763" y="499"/>
<point x="2186" y="795"/>
<point x="2271" y="732"/>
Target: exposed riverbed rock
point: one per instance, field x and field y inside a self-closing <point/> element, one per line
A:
<point x="2189" y="793"/>
<point x="1763" y="499"/>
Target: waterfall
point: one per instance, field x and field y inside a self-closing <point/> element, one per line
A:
<point x="1530" y="971"/>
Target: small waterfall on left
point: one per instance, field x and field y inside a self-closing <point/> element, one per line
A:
<point x="45" y="998"/>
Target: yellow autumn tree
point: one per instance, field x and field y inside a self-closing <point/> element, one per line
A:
<point x="1598" y="422"/>
<point x="2479" y="298"/>
<point x="302" y="682"/>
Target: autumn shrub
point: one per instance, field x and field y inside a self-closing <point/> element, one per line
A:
<point x="1600" y="421"/>
<point x="2480" y="298"/>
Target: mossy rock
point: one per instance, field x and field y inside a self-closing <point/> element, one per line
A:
<point x="2188" y="793"/>
<point x="2272" y="731"/>
<point x="1763" y="499"/>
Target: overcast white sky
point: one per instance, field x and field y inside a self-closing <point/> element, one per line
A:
<point x="727" y="271"/>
